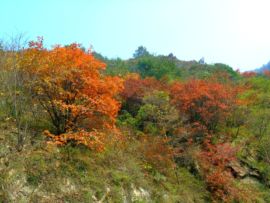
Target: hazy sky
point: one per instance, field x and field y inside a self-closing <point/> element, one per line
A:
<point x="235" y="32"/>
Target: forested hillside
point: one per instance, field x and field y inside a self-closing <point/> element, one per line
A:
<point x="79" y="127"/>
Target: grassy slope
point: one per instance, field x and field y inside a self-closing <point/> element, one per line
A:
<point x="44" y="173"/>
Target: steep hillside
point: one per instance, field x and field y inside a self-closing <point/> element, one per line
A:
<point x="147" y="129"/>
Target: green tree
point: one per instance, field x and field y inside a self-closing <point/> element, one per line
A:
<point x="141" y="51"/>
<point x="157" y="116"/>
<point x="157" y="66"/>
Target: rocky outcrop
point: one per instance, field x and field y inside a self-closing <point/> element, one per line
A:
<point x="243" y="171"/>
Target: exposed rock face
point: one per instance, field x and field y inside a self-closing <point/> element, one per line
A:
<point x="238" y="170"/>
<point x="139" y="194"/>
<point x="243" y="171"/>
<point x="135" y="194"/>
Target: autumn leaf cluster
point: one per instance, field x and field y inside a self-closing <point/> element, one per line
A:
<point x="67" y="83"/>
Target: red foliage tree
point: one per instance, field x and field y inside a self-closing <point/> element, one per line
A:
<point x="205" y="104"/>
<point x="214" y="161"/>
<point x="266" y="73"/>
<point x="249" y="74"/>
<point x="157" y="153"/>
<point x="136" y="88"/>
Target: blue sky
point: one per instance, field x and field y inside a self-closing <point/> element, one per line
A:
<point x="234" y="32"/>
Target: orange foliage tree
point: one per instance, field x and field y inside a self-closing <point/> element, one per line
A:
<point x="68" y="85"/>
<point x="205" y="104"/>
